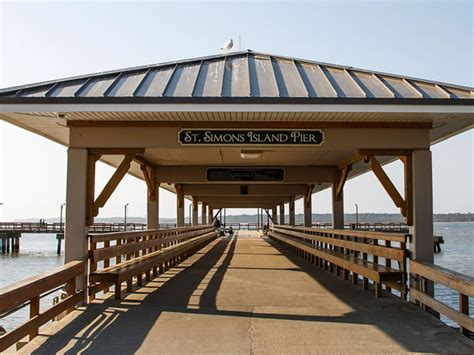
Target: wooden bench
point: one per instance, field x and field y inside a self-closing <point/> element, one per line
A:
<point x="350" y="251"/>
<point x="138" y="253"/>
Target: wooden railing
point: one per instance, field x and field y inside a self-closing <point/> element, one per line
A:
<point x="143" y="252"/>
<point x="242" y="226"/>
<point x="463" y="284"/>
<point x="35" y="227"/>
<point x="30" y="291"/>
<point x="365" y="248"/>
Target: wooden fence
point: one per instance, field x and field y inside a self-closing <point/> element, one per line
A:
<point x="422" y="273"/>
<point x="30" y="291"/>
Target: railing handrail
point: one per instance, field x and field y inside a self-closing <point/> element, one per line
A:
<point x="29" y="291"/>
<point x="101" y="237"/>
<point x="19" y="292"/>
<point x="108" y="252"/>
<point x="459" y="282"/>
<point x="386" y="251"/>
<point x="393" y="236"/>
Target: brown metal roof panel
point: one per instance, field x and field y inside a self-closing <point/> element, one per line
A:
<point x="288" y="79"/>
<point x="126" y="84"/>
<point x="183" y="80"/>
<point x="342" y="83"/>
<point x="370" y="84"/>
<point x="314" y="80"/>
<point x="154" y="83"/>
<point x="209" y="81"/>
<point x="399" y="87"/>
<point x="236" y="77"/>
<point x="96" y="87"/>
<point x="262" y="78"/>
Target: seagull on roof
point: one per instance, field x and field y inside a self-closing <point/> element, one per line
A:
<point x="228" y="45"/>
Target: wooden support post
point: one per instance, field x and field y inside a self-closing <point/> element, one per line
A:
<point x="378" y="290"/>
<point x="203" y="213"/>
<point x="179" y="205"/>
<point x="34" y="311"/>
<point x="91" y="163"/>
<point x="421" y="240"/>
<point x="71" y="290"/>
<point x="282" y="214"/>
<point x="365" y="280"/>
<point x="355" y="278"/>
<point x="388" y="263"/>
<point x="195" y="211"/>
<point x="464" y="308"/>
<point x="292" y="211"/>
<point x="408" y="182"/>
<point x="118" y="290"/>
<point x="106" y="263"/>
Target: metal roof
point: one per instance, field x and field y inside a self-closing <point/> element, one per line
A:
<point x="240" y="77"/>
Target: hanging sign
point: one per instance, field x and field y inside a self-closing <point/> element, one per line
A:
<point x="251" y="137"/>
<point x="245" y="174"/>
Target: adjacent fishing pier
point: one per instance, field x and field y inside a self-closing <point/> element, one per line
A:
<point x="243" y="130"/>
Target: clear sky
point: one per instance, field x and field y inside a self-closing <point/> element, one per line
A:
<point x="42" y="40"/>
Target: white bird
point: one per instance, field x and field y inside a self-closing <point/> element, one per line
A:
<point x="228" y="45"/>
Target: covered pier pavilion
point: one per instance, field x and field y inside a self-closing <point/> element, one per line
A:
<point x="245" y="130"/>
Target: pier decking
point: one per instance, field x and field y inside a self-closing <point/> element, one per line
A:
<point x="247" y="295"/>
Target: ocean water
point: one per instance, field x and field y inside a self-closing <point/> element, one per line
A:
<point x="38" y="254"/>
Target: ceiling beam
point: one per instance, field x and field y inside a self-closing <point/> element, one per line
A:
<point x="243" y="205"/>
<point x="293" y="175"/>
<point x="245" y="198"/>
<point x="244" y="190"/>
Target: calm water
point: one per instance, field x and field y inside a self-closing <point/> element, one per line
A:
<point x="38" y="254"/>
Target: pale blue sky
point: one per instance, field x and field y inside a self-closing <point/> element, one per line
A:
<point x="48" y="40"/>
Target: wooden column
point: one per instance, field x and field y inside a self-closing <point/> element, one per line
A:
<point x="179" y="206"/>
<point x="153" y="209"/>
<point x="282" y="214"/>
<point x="76" y="247"/>
<point x="210" y="216"/>
<point x="292" y="211"/>
<point x="203" y="213"/>
<point x="337" y="208"/>
<point x="421" y="245"/>
<point x="195" y="211"/>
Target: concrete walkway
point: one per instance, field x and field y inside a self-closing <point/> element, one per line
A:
<point x="245" y="295"/>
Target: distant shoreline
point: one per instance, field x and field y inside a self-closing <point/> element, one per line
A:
<point x="316" y="218"/>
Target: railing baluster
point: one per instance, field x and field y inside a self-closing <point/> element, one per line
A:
<point x="34" y="311"/>
<point x="464" y="308"/>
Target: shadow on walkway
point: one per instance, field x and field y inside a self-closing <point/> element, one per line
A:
<point x="121" y="327"/>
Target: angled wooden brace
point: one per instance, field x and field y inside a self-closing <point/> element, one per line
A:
<point x="150" y="179"/>
<point x="307" y="197"/>
<point x="341" y="180"/>
<point x="179" y="193"/>
<point x="388" y="185"/>
<point x="112" y="184"/>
